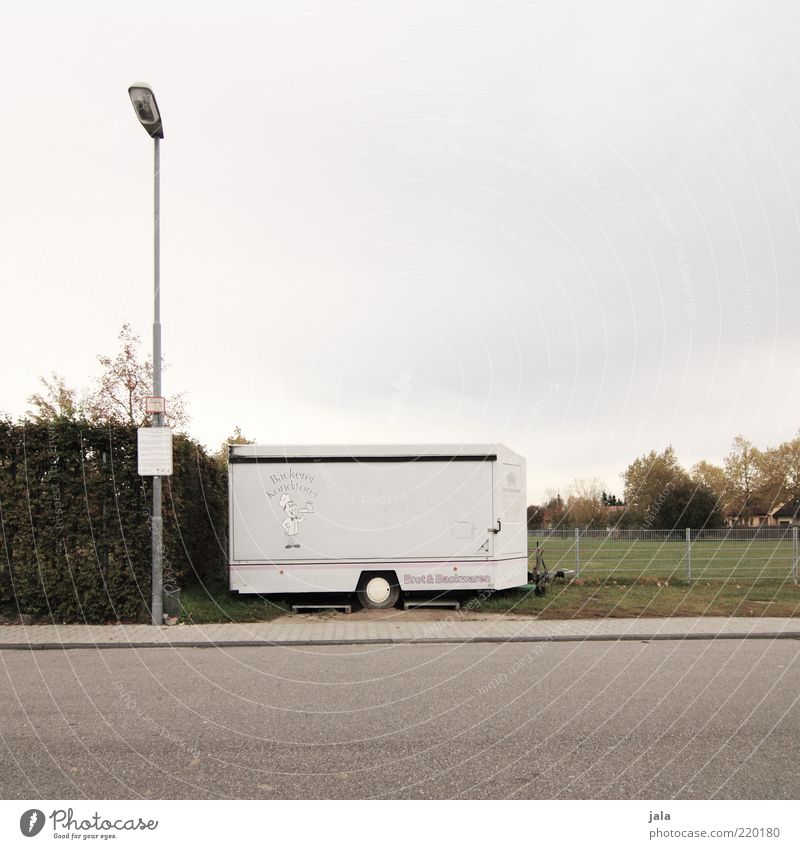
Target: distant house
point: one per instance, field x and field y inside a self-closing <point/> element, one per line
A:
<point x="788" y="514"/>
<point x="781" y="515"/>
<point x="763" y="519"/>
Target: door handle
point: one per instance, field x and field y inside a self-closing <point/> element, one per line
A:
<point x="497" y="529"/>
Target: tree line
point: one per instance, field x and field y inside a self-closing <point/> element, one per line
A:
<point x="75" y="513"/>
<point x="75" y="521"/>
<point x="749" y="488"/>
<point x="116" y="396"/>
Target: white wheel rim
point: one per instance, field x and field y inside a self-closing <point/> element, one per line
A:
<point x="378" y="590"/>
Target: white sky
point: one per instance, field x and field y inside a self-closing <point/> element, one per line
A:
<point x="568" y="226"/>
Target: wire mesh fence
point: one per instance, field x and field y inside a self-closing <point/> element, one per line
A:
<point x="718" y="554"/>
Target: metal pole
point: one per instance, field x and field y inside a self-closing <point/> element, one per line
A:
<point x="794" y="552"/>
<point x="577" y="552"/>
<point x="158" y="526"/>
<point x="688" y="554"/>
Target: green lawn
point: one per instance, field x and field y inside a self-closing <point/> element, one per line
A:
<point x="713" y="559"/>
<point x="617" y="578"/>
<point x="612" y="598"/>
<point x="200" y="606"/>
<point x="583" y="598"/>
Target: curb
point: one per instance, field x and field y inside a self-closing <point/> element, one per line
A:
<point x="390" y="641"/>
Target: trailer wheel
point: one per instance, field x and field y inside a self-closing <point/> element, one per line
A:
<point x="378" y="590"/>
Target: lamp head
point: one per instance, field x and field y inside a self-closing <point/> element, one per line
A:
<point x="146" y="108"/>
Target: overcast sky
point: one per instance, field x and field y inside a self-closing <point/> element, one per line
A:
<point x="567" y="226"/>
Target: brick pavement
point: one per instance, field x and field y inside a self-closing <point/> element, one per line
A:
<point x="339" y="631"/>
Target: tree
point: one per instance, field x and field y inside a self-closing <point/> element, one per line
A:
<point x="553" y="510"/>
<point x="584" y="504"/>
<point x="648" y="482"/>
<point x="689" y="505"/>
<point x="535" y="517"/>
<point x="790" y="460"/>
<point x="118" y="396"/>
<point x="770" y="484"/>
<point x="742" y="479"/>
<point x="56" y="401"/>
<point x="236" y="438"/>
<point x="126" y="380"/>
<point x="710" y="476"/>
<point x="661" y="494"/>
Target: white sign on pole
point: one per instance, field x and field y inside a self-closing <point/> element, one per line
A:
<point x="155" y="451"/>
<point x="155" y="404"/>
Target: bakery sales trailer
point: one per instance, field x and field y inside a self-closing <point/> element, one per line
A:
<point x="377" y="520"/>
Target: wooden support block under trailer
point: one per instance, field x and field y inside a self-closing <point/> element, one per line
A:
<point x="305" y="608"/>
<point x="410" y="604"/>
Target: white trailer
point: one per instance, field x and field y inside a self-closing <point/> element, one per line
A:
<point x="377" y="520"/>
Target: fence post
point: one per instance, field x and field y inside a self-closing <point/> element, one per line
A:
<point x="577" y="552"/>
<point x="794" y="552"/>
<point x="688" y="554"/>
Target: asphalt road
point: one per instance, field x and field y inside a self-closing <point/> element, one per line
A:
<point x="609" y="720"/>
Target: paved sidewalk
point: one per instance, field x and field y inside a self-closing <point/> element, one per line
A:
<point x="510" y="629"/>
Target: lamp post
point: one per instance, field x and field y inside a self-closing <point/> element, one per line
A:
<point x="146" y="108"/>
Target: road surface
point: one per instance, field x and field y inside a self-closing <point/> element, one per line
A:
<point x="700" y="719"/>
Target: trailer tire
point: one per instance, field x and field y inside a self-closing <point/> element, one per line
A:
<point x="378" y="590"/>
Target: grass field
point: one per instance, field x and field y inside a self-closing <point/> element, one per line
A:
<point x="617" y="577"/>
<point x="582" y="598"/>
<point x="201" y="606"/>
<point x="755" y="559"/>
<point x="604" y="598"/>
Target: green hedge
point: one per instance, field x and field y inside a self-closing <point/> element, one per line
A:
<point x="75" y="521"/>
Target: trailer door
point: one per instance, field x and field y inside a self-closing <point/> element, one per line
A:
<point x="509" y="507"/>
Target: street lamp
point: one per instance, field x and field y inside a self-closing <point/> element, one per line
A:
<point x="146" y="108"/>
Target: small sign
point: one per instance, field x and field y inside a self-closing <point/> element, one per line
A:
<point x="155" y="451"/>
<point x="155" y="404"/>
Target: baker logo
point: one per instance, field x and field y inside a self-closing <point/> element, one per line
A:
<point x="295" y="494"/>
<point x="295" y="516"/>
<point x="31" y="822"/>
